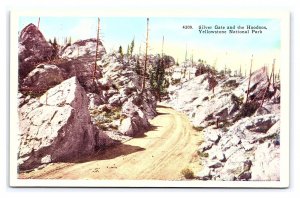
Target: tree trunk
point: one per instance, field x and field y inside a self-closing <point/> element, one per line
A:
<point x="96" y="57"/>
<point x="146" y="57"/>
<point x="248" y="89"/>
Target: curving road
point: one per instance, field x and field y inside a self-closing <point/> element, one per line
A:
<point x="160" y="154"/>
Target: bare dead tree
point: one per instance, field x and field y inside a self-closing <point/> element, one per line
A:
<point x="146" y="57"/>
<point x="273" y="72"/>
<point x="240" y="74"/>
<point x="269" y="83"/>
<point x="248" y="89"/>
<point x="39" y="23"/>
<point x="266" y="89"/>
<point x="96" y="56"/>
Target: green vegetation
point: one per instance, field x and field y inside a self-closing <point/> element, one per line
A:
<point x="187" y="173"/>
<point x="120" y="51"/>
<point x="131" y="47"/>
<point x="198" y="128"/>
<point x="203" y="154"/>
<point x="158" y="80"/>
<point x="105" y="116"/>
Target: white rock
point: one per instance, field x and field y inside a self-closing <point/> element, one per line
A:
<point x="44" y="77"/>
<point x="213" y="137"/>
<point x="56" y="125"/>
<point x="126" y="127"/>
<point x="235" y="140"/>
<point x="214" y="164"/>
<point x="247" y="146"/>
<point x="204" y="174"/>
<point x="266" y="165"/>
<point x="46" y="159"/>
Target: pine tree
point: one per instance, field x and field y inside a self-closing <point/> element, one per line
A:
<point x="55" y="47"/>
<point x="54" y="41"/>
<point x="158" y="81"/>
<point x="120" y="51"/>
<point x="131" y="47"/>
<point x="69" y="41"/>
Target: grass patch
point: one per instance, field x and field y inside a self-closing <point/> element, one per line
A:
<point x="187" y="173"/>
<point x="103" y="118"/>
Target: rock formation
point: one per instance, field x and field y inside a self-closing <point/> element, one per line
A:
<point x="33" y="49"/>
<point x="57" y="127"/>
<point x="241" y="140"/>
<point x="68" y="110"/>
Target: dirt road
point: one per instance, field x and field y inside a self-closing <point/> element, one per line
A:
<point x="160" y="154"/>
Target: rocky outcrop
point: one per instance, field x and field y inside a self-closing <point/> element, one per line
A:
<point x="57" y="127"/>
<point x="78" y="60"/>
<point x="33" y="49"/>
<point x="43" y="77"/>
<point x="83" y="48"/>
<point x="241" y="140"/>
<point x="128" y="109"/>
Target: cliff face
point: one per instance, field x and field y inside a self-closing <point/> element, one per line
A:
<point x="241" y="139"/>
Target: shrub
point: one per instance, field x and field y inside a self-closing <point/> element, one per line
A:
<point x="202" y="154"/>
<point x="198" y="128"/>
<point x="187" y="173"/>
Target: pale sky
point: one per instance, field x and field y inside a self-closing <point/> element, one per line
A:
<point x="231" y="50"/>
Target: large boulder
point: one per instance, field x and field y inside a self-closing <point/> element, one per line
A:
<point x="57" y="127"/>
<point x="83" y="48"/>
<point x="33" y="49"/>
<point x="258" y="84"/>
<point x="136" y="121"/>
<point x="43" y="77"/>
<point x="78" y="60"/>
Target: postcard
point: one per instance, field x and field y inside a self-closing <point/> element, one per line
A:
<point x="107" y="98"/>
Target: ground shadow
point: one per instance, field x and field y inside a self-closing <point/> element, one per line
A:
<point x="159" y="113"/>
<point x="165" y="107"/>
<point x="110" y="153"/>
<point x="144" y="134"/>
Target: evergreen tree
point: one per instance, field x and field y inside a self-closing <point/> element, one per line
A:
<point x="120" y="51"/>
<point x="70" y="41"/>
<point x="54" y="41"/>
<point x="131" y="47"/>
<point x="158" y="82"/>
<point x="55" y="48"/>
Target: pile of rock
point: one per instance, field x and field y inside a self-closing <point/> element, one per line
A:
<point x="241" y="140"/>
<point x="122" y="97"/>
<point x="67" y="109"/>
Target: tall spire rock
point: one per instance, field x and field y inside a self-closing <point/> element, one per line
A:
<point x="33" y="49"/>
